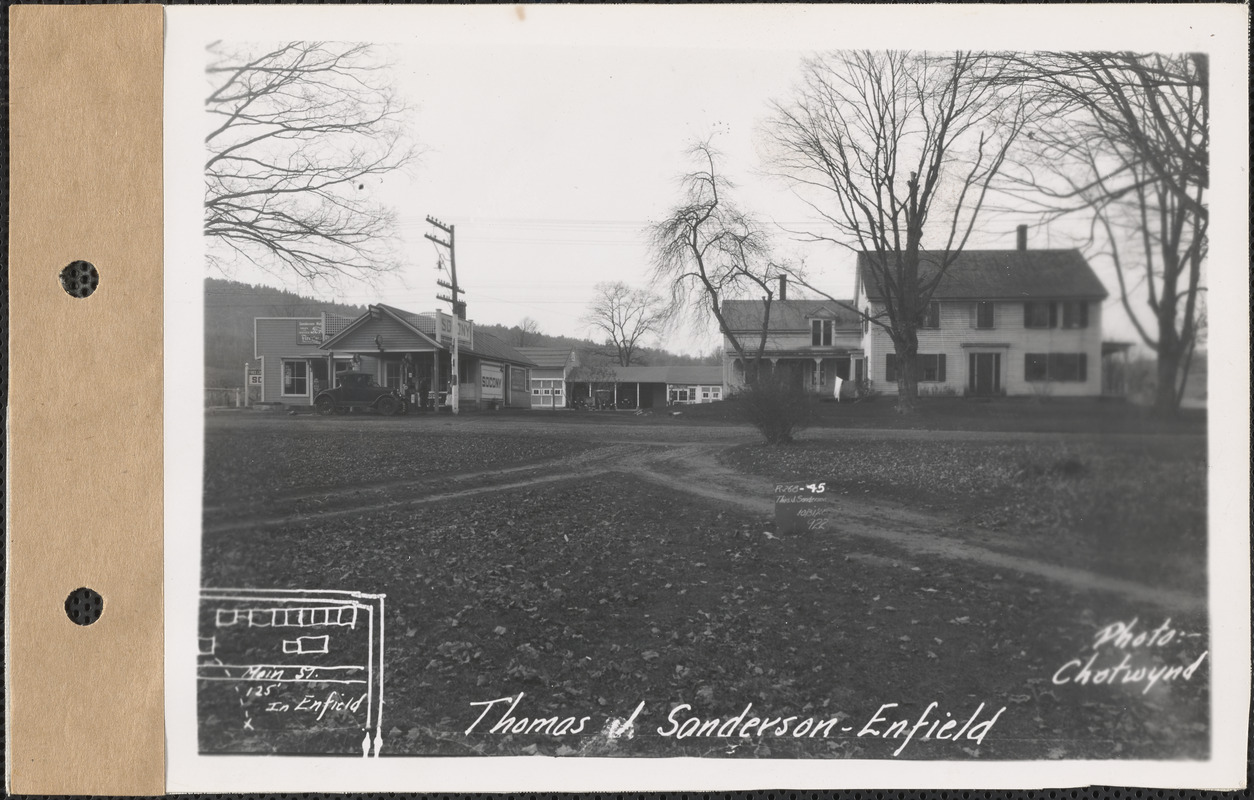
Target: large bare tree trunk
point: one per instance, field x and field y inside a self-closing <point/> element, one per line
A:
<point x="1170" y="346"/>
<point x="908" y="374"/>
<point x="1166" y="395"/>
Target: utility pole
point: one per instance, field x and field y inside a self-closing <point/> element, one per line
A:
<point x="459" y="307"/>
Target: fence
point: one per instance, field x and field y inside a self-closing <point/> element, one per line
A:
<point x="217" y="397"/>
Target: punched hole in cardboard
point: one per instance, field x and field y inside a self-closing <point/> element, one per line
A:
<point x="80" y="279"/>
<point x="84" y="606"/>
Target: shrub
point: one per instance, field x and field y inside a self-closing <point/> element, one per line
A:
<point x="776" y="408"/>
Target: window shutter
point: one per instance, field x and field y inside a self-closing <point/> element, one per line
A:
<point x="1084" y="370"/>
<point x="1053" y="315"/>
<point x="940" y="368"/>
<point x="816" y="332"/>
<point x="1084" y="315"/>
<point x="1027" y="315"/>
<point x="890" y="367"/>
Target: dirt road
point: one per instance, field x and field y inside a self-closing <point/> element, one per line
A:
<point x="679" y="458"/>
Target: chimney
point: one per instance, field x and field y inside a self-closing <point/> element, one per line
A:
<point x="783" y="287"/>
<point x="1022" y="238"/>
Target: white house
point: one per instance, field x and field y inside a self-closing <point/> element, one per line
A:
<point x="1001" y="322"/>
<point x="812" y="341"/>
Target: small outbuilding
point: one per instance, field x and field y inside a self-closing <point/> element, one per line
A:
<point x="647" y="387"/>
<point x="553" y="366"/>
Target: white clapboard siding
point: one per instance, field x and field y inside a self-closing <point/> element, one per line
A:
<point x="958" y="336"/>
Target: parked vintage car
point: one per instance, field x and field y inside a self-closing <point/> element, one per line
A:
<point x="358" y="390"/>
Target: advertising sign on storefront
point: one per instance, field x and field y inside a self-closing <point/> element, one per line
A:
<point x="491" y="382"/>
<point x="309" y="332"/>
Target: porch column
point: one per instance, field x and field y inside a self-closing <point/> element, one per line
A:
<point x="818" y="372"/>
<point x="616" y="395"/>
<point x="435" y="378"/>
<point x="637" y="395"/>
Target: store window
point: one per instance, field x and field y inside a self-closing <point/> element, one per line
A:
<point x="295" y="378"/>
<point x="392" y="375"/>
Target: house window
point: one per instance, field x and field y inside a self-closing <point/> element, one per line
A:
<point x="930" y="367"/>
<point x="1040" y="315"/>
<point x="295" y="378"/>
<point x="1075" y="315"/>
<point x="984" y="314"/>
<point x="1069" y="367"/>
<point x="931" y="316"/>
<point x="716" y="392"/>
<point x="821" y="332"/>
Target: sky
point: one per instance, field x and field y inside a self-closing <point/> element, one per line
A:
<point x="551" y="161"/>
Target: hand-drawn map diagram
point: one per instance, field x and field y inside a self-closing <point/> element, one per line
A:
<point x="290" y="671"/>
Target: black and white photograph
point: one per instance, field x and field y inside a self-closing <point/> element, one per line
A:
<point x="725" y="395"/>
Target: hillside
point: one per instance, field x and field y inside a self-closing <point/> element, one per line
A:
<point x="230" y="308"/>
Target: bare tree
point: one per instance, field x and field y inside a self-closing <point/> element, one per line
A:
<point x="707" y="250"/>
<point x="525" y="331"/>
<point x="625" y="316"/>
<point x="895" y="150"/>
<point x="1127" y="146"/>
<point x="296" y="133"/>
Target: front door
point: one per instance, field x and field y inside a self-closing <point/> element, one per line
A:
<point x="985" y="378"/>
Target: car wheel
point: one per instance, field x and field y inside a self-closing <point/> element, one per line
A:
<point x="388" y="405"/>
<point x="324" y="406"/>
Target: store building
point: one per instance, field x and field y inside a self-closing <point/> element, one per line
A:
<point x="409" y="352"/>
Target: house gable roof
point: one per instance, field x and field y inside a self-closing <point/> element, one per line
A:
<point x="786" y="315"/>
<point x="1002" y="275"/>
<point x="376" y="313"/>
<point x="422" y="328"/>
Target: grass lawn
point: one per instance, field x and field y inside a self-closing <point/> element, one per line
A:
<point x="269" y="454"/>
<point x="1026" y="415"/>
<point x="1133" y="508"/>
<point x="590" y="597"/>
